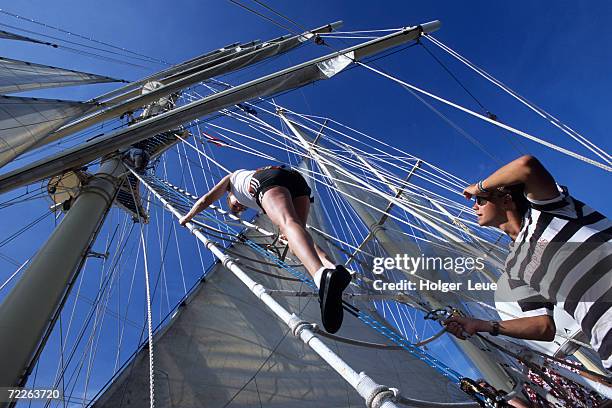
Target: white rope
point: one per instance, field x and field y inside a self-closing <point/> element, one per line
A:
<point x="162" y="251"/>
<point x="367" y="31"/>
<point x="341" y="158"/>
<point x="6" y="282"/>
<point x="553" y="120"/>
<point x="457" y="128"/>
<point x="459" y="181"/>
<point x="361" y="37"/>
<point x="494" y="122"/>
<point x="451" y="225"/>
<point x="148" y="302"/>
<point x="195" y="189"/>
<point x="366" y="188"/>
<point x="369" y="178"/>
<point x="256" y="119"/>
<point x="204" y="154"/>
<point x="393" y="200"/>
<point x="149" y="320"/>
<point x="459" y="186"/>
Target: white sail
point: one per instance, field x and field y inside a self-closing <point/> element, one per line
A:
<point x="26" y="121"/>
<point x="225" y="348"/>
<point x="21" y="76"/>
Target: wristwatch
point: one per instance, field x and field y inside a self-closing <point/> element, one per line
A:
<point x="494" y="327"/>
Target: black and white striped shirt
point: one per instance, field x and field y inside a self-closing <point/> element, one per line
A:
<point x="562" y="256"/>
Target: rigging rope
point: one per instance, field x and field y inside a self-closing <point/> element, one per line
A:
<point x="485" y="110"/>
<point x="487" y="119"/>
<point x="75" y="50"/>
<point x="264" y="17"/>
<point x="149" y="322"/>
<point x="148" y="302"/>
<point x="187" y="203"/>
<point x="553" y="120"/>
<point x="364" y="317"/>
<point x="83" y="37"/>
<point x="606" y="380"/>
<point x="25" y="228"/>
<point x="10" y="278"/>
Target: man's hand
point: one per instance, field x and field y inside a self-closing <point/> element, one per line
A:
<point x="471" y="191"/>
<point x="464" y="327"/>
<point x="184" y="220"/>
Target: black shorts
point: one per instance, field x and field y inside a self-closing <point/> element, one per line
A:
<point x="263" y="180"/>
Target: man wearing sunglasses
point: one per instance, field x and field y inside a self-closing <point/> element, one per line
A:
<point x="284" y="196"/>
<point x="560" y="255"/>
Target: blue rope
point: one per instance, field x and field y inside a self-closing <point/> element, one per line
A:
<point x="406" y="345"/>
<point x="369" y="321"/>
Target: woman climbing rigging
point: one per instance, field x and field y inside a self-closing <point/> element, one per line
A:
<point x="284" y="196"/>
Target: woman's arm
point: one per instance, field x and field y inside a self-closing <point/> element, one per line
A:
<point x="207" y="199"/>
<point x="528" y="328"/>
<point x="527" y="170"/>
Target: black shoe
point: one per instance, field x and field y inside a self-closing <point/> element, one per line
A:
<point x="333" y="283"/>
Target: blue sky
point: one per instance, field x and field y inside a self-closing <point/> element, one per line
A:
<point x="554" y="53"/>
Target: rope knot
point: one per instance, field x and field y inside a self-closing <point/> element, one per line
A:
<point x="380" y="395"/>
<point x="297" y="325"/>
<point x="374" y="228"/>
<point x="375" y="395"/>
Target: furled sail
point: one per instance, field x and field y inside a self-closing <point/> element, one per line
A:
<point x="10" y="36"/>
<point x="192" y="73"/>
<point x="225" y="348"/>
<point x="25" y="121"/>
<point x="20" y="76"/>
<point x="308" y="72"/>
<point x="215" y="57"/>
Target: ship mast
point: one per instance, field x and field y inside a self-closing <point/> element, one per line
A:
<point x="31" y="308"/>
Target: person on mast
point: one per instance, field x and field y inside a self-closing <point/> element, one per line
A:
<point x="284" y="196"/>
<point x="560" y="253"/>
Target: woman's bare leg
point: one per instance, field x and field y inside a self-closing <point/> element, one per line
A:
<point x="290" y="216"/>
<point x="279" y="207"/>
<point x="302" y="208"/>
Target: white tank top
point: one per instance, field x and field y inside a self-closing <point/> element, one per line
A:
<point x="239" y="184"/>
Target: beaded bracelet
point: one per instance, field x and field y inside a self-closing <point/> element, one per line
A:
<point x="481" y="187"/>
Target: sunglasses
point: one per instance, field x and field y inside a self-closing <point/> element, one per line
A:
<point x="481" y="200"/>
<point x="484" y="200"/>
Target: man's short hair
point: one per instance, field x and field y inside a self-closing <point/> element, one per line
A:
<point x="517" y="192"/>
